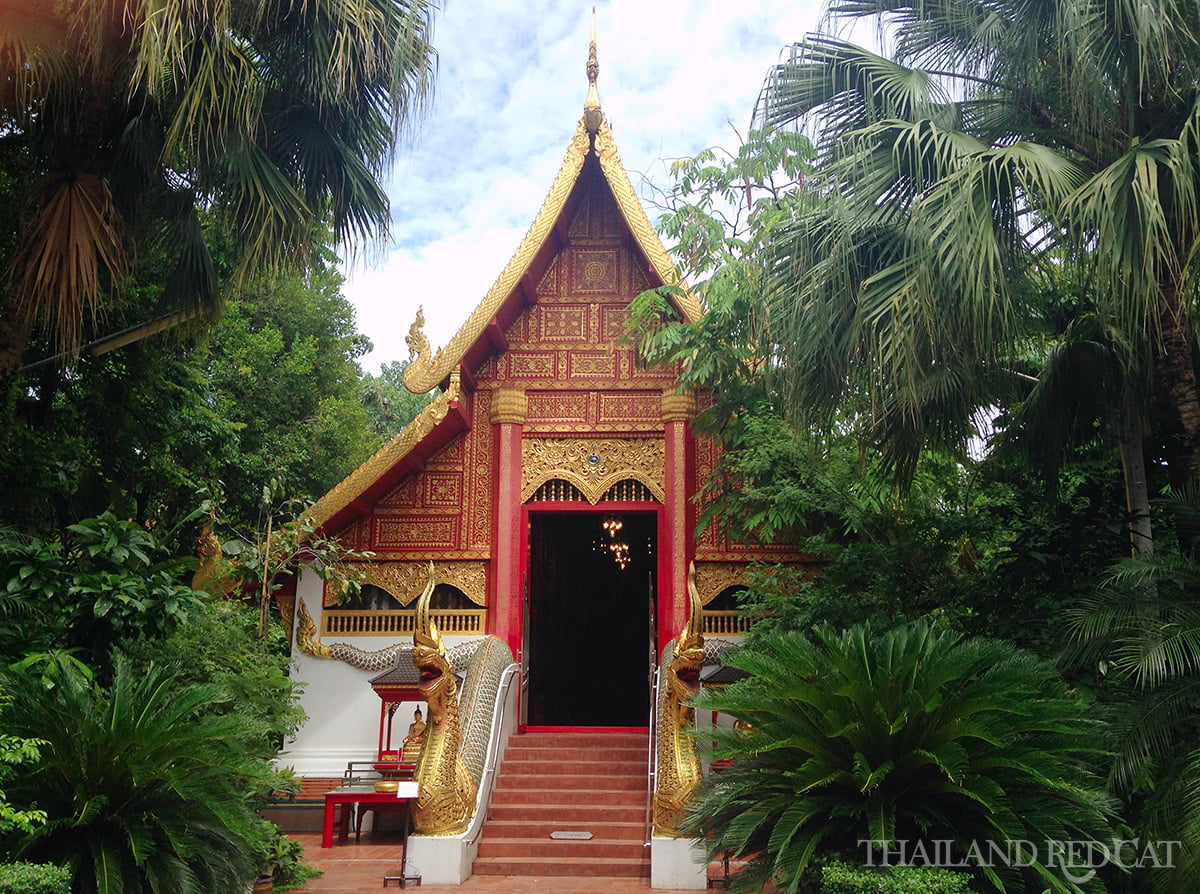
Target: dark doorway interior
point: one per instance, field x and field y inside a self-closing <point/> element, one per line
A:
<point x="589" y="636"/>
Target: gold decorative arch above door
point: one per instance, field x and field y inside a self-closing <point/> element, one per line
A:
<point x="592" y="464"/>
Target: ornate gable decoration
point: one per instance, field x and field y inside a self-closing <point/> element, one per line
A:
<point x="592" y="136"/>
<point x="405" y="581"/>
<point x="592" y="465"/>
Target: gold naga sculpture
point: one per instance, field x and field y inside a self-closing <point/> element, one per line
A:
<point x="420" y="352"/>
<point x="678" y="760"/>
<point x="446" y="798"/>
<point x="310" y="643"/>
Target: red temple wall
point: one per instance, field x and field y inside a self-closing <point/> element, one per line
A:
<point x="569" y="354"/>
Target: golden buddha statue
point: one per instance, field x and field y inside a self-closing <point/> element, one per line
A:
<point x="414" y="739"/>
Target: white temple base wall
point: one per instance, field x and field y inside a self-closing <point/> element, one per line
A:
<point x="678" y="863"/>
<point x="343" y="710"/>
<point x="444" y="860"/>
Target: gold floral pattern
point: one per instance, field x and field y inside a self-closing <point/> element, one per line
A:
<point x="592" y="465"/>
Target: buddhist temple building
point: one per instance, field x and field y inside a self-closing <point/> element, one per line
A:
<point x="549" y="487"/>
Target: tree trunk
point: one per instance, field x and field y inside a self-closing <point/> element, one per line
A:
<point x="1131" y="437"/>
<point x="1175" y="376"/>
<point x="15" y="331"/>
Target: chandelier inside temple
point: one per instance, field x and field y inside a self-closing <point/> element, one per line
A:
<point x="614" y="545"/>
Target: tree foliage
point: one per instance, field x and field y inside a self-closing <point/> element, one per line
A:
<point x="281" y="370"/>
<point x="132" y="118"/>
<point x="272" y="393"/>
<point x="104" y="580"/>
<point x="1140" y="633"/>
<point x="390" y="405"/>
<point x="16" y="754"/>
<point x="960" y="172"/>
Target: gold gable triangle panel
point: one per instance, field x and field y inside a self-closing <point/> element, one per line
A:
<point x="637" y="221"/>
<point x="424" y="371"/>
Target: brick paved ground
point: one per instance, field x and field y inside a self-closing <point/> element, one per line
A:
<point x="351" y="868"/>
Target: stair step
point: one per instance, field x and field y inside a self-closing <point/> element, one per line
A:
<point x="613" y="798"/>
<point x="580" y="740"/>
<point x="552" y="849"/>
<point x="575" y="867"/>
<point x="567" y="815"/>
<point x="606" y="749"/>
<point x="568" y="782"/>
<point x="574" y="782"/>
<point x="524" y="826"/>
<point x="574" y="764"/>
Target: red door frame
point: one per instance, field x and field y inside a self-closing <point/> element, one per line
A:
<point x="663" y="601"/>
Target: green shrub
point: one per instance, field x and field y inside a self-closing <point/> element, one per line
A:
<point x="281" y="857"/>
<point x="34" y="878"/>
<point x="291" y="869"/>
<point x="842" y="878"/>
<point x="142" y="790"/>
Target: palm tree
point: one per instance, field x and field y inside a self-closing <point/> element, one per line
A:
<point x="916" y="734"/>
<point x="1142" y="629"/>
<point x="998" y="142"/>
<point x="272" y="117"/>
<point x="142" y="790"/>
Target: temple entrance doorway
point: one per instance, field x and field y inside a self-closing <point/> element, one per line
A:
<point x="591" y="580"/>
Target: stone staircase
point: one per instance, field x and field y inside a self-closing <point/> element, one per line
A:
<point x="579" y="781"/>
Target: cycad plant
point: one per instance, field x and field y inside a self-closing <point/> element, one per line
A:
<point x="915" y="734"/>
<point x="142" y="791"/>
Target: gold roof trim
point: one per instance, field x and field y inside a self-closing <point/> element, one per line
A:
<point x="354" y="484"/>
<point x="425" y="371"/>
<point x="637" y="221"/>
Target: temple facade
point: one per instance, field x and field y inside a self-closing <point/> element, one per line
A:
<point x="550" y="485"/>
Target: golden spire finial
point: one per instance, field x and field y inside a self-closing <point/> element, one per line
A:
<point x="592" y="116"/>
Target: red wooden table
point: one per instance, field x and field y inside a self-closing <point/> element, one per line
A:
<point x="348" y="798"/>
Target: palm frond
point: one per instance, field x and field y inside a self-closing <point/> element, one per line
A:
<point x="1136" y="213"/>
<point x="846" y="87"/>
<point x="71" y="255"/>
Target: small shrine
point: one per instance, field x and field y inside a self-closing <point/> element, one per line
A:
<point x="395" y="687"/>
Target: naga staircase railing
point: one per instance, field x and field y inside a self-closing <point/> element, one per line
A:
<point x="488" y="778"/>
<point x="652" y="758"/>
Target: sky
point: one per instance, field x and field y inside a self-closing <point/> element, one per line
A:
<point x="676" y="77"/>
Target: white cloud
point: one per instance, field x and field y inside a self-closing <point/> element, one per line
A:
<point x="674" y="75"/>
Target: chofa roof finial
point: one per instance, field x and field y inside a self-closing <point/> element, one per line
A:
<point x="592" y="116"/>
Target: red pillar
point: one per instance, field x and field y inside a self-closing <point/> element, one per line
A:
<point x="507" y="416"/>
<point x="679" y="544"/>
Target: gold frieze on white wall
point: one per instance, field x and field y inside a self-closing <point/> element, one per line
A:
<point x="404" y="581"/>
<point x="713" y="577"/>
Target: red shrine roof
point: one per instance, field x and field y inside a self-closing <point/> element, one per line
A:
<point x="483" y="332"/>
